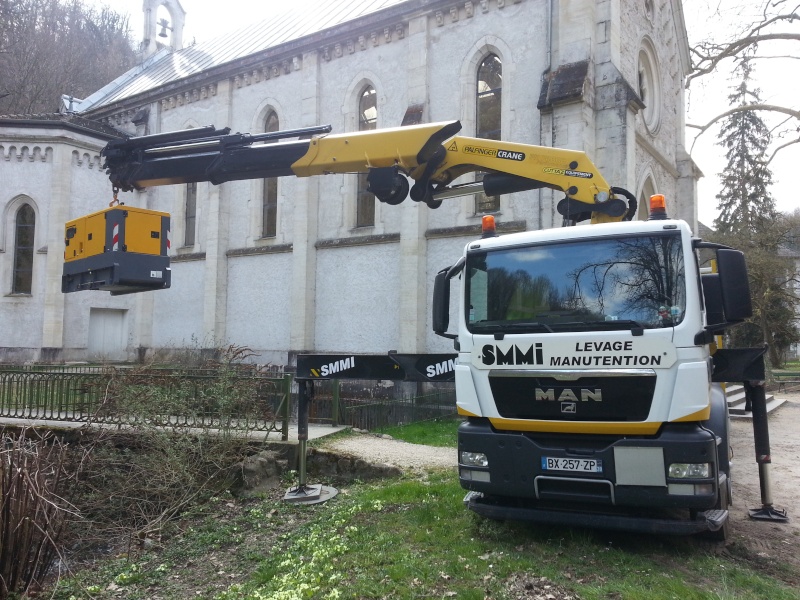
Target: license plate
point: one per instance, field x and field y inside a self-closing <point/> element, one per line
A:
<point x="575" y="465"/>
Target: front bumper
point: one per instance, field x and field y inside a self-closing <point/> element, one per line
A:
<point x="520" y="510"/>
<point x="634" y="469"/>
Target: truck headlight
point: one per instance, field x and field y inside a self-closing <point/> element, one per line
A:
<point x="689" y="470"/>
<point x="474" y="459"/>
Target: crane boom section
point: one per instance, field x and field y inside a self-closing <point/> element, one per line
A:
<point x="405" y="147"/>
<point x="430" y="154"/>
<point x="570" y="171"/>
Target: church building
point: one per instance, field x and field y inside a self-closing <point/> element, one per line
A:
<point x="317" y="264"/>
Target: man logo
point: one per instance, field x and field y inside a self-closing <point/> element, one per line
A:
<point x="568" y="395"/>
<point x="569" y="407"/>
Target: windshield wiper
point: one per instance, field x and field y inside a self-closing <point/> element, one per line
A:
<point x="527" y="326"/>
<point x="518" y="327"/>
<point x="600" y="325"/>
<point x="626" y="322"/>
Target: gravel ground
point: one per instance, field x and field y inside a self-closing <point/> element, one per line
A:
<point x="385" y="450"/>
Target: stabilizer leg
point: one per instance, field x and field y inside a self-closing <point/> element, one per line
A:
<point x="304" y="493"/>
<point x="754" y="390"/>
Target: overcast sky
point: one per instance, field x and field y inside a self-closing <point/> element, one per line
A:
<point x="707" y="97"/>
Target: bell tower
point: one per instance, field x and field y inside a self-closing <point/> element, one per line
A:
<point x="162" y="28"/>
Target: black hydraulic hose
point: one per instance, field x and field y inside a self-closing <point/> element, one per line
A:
<point x="633" y="205"/>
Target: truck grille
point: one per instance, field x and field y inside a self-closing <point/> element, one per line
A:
<point x="574" y="490"/>
<point x="583" y="399"/>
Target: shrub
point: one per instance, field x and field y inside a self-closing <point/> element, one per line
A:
<point x="34" y="480"/>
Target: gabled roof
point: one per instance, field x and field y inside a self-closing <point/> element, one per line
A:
<point x="168" y="67"/>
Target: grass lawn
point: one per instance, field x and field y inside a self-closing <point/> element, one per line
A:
<point x="412" y="538"/>
<point x="790" y="366"/>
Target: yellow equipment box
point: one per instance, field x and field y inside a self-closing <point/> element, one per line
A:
<point x="122" y="249"/>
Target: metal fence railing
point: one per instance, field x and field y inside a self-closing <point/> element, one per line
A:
<point x="238" y="398"/>
<point x="60" y="394"/>
<point x="374" y="411"/>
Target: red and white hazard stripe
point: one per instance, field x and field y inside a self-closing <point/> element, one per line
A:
<point x="115" y="238"/>
<point x="169" y="242"/>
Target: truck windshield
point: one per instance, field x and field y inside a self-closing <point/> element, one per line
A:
<point x="598" y="284"/>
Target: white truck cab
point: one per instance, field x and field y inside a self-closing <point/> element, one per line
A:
<point x="584" y="372"/>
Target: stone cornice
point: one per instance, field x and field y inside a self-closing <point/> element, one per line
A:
<point x="474" y="230"/>
<point x="258" y="250"/>
<point x="48" y="140"/>
<point x="86" y="159"/>
<point x="361" y="240"/>
<point x="187" y="257"/>
<point x="26" y="152"/>
<point x="41" y="150"/>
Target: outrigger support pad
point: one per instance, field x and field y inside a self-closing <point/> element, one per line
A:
<point x="310" y="494"/>
<point x="769" y="513"/>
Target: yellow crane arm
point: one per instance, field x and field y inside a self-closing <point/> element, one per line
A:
<point x="432" y="155"/>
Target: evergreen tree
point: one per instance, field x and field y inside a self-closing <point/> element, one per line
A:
<point x="749" y="220"/>
<point x="744" y="202"/>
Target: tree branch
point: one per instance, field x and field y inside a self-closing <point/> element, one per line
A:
<point x="795" y="114"/>
<point x="781" y="147"/>
<point x="711" y="55"/>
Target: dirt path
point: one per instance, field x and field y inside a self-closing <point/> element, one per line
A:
<point x="766" y="539"/>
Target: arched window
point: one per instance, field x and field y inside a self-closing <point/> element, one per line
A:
<point x="488" y="117"/>
<point x="367" y="120"/>
<point x="648" y="189"/>
<point x="24" y="229"/>
<point x="190" y="220"/>
<point x="269" y="201"/>
<point x="649" y="86"/>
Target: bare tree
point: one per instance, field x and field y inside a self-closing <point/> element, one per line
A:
<point x="761" y="35"/>
<point x="54" y="47"/>
<point x="709" y="53"/>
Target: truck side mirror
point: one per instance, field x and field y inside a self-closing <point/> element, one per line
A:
<point x="441" y="299"/>
<point x="441" y="303"/>
<point x="734" y="285"/>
